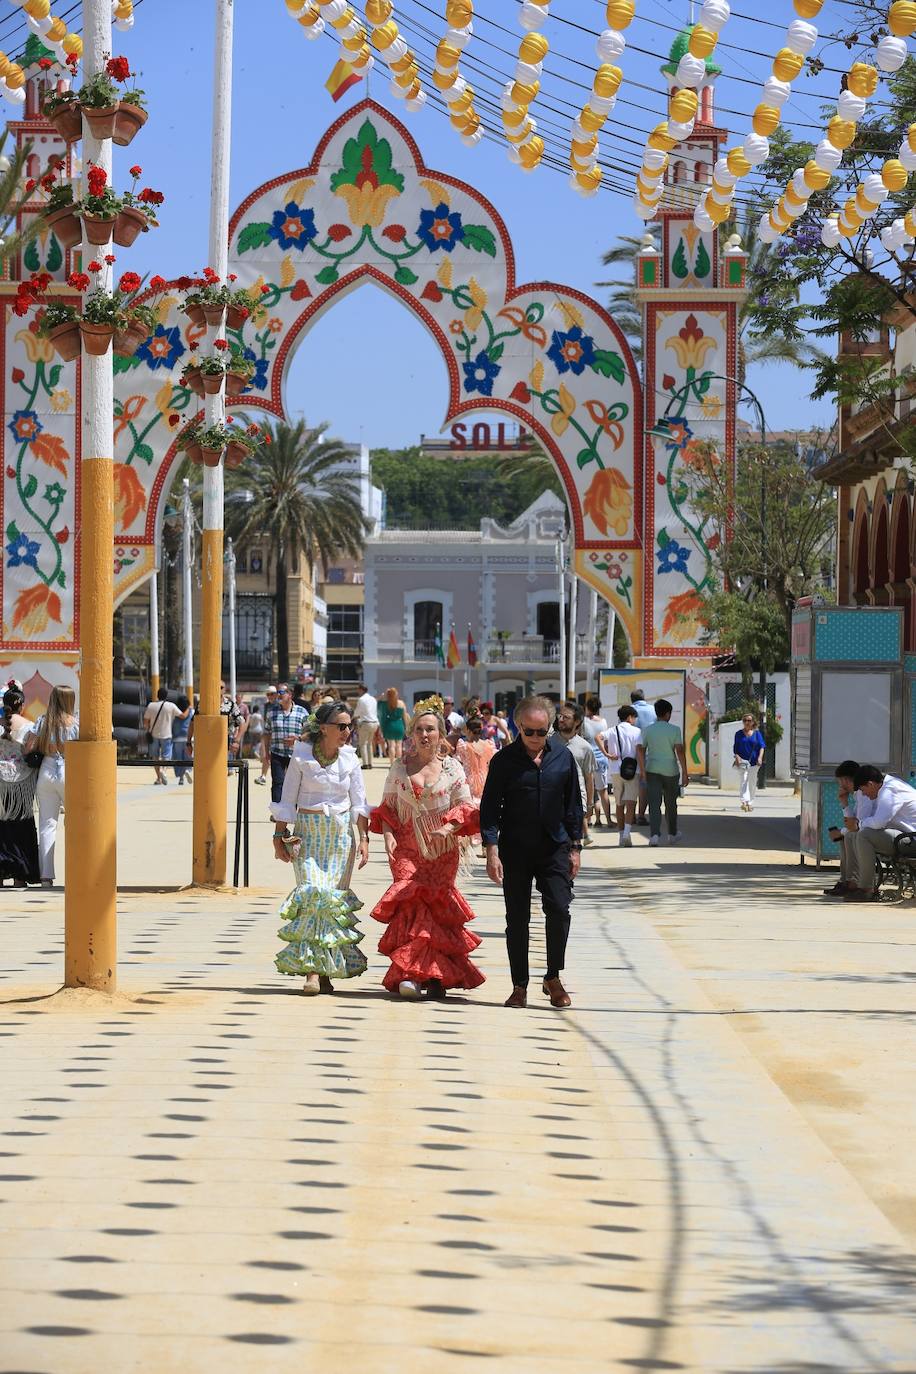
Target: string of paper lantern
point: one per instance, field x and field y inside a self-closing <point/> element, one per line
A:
<point x="895" y="174"/>
<point x="683" y="104"/>
<point x="457" y="94"/>
<point x="394" y="52"/>
<point x="585" y="176"/>
<point x="314" y="16"/>
<point x="123" y="13"/>
<point x="801" y="35"/>
<point x="54" y="34"/>
<point x="526" y="146"/>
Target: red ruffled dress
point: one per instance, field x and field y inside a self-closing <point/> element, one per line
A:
<point x="426" y="915"/>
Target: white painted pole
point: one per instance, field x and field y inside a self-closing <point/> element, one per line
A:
<point x="561" y="572"/>
<point x="187" y="596"/>
<point x="591" y="655"/>
<point x="154" y="631"/>
<point x="230" y="565"/>
<point x="611" y="627"/>
<point x="573" y="617"/>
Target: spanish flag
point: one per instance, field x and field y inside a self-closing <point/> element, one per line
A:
<point x="453" y="657"/>
<point x="341" y="79"/>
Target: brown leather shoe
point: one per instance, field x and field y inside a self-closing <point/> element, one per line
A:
<point x="558" y="995"/>
<point x="519" y="998"/>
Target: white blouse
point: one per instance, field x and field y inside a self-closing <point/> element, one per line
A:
<point x="309" y="786"/>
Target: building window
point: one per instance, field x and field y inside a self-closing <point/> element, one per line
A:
<point x="340" y="669"/>
<point x="255" y="562"/>
<point x="427" y="624"/>
<point x="345" y="627"/>
<point x="241" y="561"/>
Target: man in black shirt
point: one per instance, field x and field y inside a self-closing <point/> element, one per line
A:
<point x="531" y="822"/>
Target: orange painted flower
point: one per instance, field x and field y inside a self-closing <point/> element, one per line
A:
<point x="609" y="501"/>
<point x="129" y="496"/>
<point x="527" y="328"/>
<point x="33" y="608"/>
<point x="38" y="350"/>
<point x="683" y="617"/>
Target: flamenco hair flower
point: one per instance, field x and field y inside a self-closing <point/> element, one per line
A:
<point x="313" y="726"/>
<point x="433" y="705"/>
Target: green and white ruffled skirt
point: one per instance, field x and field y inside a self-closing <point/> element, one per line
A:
<point x="319" y="930"/>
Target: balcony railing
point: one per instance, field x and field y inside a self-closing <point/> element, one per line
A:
<point x="531" y="649"/>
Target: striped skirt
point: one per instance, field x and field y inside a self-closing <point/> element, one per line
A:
<point x="319" y="930"/>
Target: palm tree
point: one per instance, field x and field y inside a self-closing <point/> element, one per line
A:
<point x="294" y="489"/>
<point x="13" y="196"/>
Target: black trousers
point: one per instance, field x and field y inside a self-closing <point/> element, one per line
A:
<point x="548" y="869"/>
<point x="279" y="763"/>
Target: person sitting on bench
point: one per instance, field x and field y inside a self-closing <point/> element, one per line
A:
<point x="894" y="812"/>
<point x="855" y="806"/>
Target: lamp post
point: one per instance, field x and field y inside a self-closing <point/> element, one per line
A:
<point x="187" y="593"/>
<point x="154" y="675"/>
<point x="230" y="570"/>
<point x="90" y="901"/>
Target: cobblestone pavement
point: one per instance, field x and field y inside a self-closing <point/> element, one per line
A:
<point x="703" y="1166"/>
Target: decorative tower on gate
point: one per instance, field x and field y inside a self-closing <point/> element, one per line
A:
<point x="691" y="292"/>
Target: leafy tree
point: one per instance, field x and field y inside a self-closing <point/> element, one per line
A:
<point x="294" y="489"/>
<point x="423" y="492"/>
<point x="13" y="196"/>
<point x="752" y="626"/>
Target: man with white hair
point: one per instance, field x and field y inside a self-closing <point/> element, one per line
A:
<point x="531" y="819"/>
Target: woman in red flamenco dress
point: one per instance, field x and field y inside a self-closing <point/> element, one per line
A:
<point x="426" y="816"/>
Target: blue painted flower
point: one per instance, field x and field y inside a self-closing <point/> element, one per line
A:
<point x="672" y="557"/>
<point x="258" y="381"/>
<point x="163" y="348"/>
<point x="480" y="374"/>
<point x="573" y="351"/>
<point x="25" y="426"/>
<point x="293" y="227"/>
<point x="22" y="552"/>
<point x="439" y="229"/>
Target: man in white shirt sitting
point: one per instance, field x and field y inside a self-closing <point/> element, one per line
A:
<point x="894" y="812"/>
<point x="855" y="807"/>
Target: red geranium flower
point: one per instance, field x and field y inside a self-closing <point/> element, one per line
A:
<point x="130" y="282"/>
<point x="158" y="284"/>
<point x="221" y="344"/>
<point x="95" y="266"/>
<point x="136" y="172"/>
<point x="118" y="68"/>
<point x="210" y="277"/>
<point x="233" y="277"/>
<point x="150" y="197"/>
<point x="45" y="64"/>
<point x="110" y="259"/>
<point x="79" y="281"/>
<point x="98" y="180"/>
<point x="29" y="186"/>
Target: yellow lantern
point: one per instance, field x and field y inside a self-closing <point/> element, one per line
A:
<point x="607" y="80"/>
<point x="911" y="137"/>
<point x="73" y="44"/>
<point x="360" y="59"/>
<point x="807" y="9"/>
<point x="901" y="18"/>
<point x="778" y="220"/>
<point x="737" y="162"/>
<point x="458" y="13"/>
<point x="378" y="11"/>
<point x="841" y="132"/>
<point x="702" y="41"/>
<point x="309" y="18"/>
<point x="792" y="197"/>
<point x="683" y="106"/>
<point x="717" y="213"/>
<point x="590" y="180"/>
<point x="787" y="64"/>
<point x="15" y="77"/>
<point x="583" y="150"/>
<point x="766" y="120"/>
<point x="384" y="35"/>
<point x="344" y="19"/>
<point x="400" y="64"/>
<point x="513" y="118"/>
<point x="38" y="9"/>
<point x="534" y="48"/>
<point x="446" y="55"/>
<point x="862" y="79"/>
<point x="660" y="138"/>
<point x="58" y="31"/>
<point x="816" y="178"/>
<point x="461" y="122"/>
<point x="443" y="81"/>
<point x="524" y="92"/>
<point x="620" y="13"/>
<point x="408" y="76"/>
<point x="851" y="215"/>
<point x="722" y="190"/>
<point x="521" y="133"/>
<point x="530" y="153"/>
<point x="909" y="223"/>
<point x="590" y="120"/>
<point x="862" y="202"/>
<point x="646" y="190"/>
<point x="354" y="44"/>
<point x="5" y="65"/>
<point x="894" y="175"/>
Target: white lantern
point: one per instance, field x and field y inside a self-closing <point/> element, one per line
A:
<point x="756" y="149"/>
<point x="456" y="91"/>
<point x="690" y="70"/>
<point x="125" y="24"/>
<point x="459" y="38"/>
<point x="528" y="72"/>
<point x="655" y="159"/>
<point x="907" y="157"/>
<point x="579" y="134"/>
<point x="703" y="220"/>
<point x="827" y="157"/>
<point x="776" y="92"/>
<point x="416" y="102"/>
<point x="513" y="152"/>
<point x="849" y="106"/>
<point x="581" y="164"/>
<point x="651" y="174"/>
<point x="507" y="100"/>
<point x="395" y="50"/>
<point x="801" y="37"/>
<point x="471" y="140"/>
<point x="680" y="131"/>
<point x="721" y="173"/>
<point x="830" y="234"/>
<point x="316" y="30"/>
<point x="643" y="209"/>
<point x="715" y="14"/>
<point x="721" y="197"/>
<point x="799" y="184"/>
<point x="765" y="231"/>
<point x="875" y="189"/>
<point x="610" y="45"/>
<point x="602" y="104"/>
<point x="334" y="9"/>
<point x="890" y="54"/>
<point x="532" y="16"/>
<point x="399" y="92"/>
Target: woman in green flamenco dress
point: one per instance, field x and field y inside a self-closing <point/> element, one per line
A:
<point x="322" y="796"/>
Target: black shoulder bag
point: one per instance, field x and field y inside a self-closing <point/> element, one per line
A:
<point x="628" y="765"/>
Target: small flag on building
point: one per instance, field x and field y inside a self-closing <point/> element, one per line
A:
<point x="472" y="649"/>
<point x="437" y="643"/>
<point x="341" y="79"/>
<point x="454" y="654"/>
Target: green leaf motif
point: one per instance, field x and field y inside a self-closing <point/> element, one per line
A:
<point x="662" y="537"/>
<point x="355" y="160"/>
<point x="54" y="375"/>
<point x="253" y="236"/>
<point x="584" y="457"/>
<point x="125" y="364"/>
<point x="702" y="264"/>
<point x="12" y="531"/>
<point x="328" y="275"/>
<point x="480" y="238"/>
<point x="679" y="262"/>
<point x="62" y="578"/>
<point x="702" y="385"/>
<point x="496" y="352"/>
<point x="405" y="277"/>
<point x="608" y="364"/>
<point x="145" y="452"/>
<point x="55" y="256"/>
<point x="31" y="259"/>
<point x="30" y="487"/>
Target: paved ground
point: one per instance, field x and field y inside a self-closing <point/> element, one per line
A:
<point x="706" y="1165"/>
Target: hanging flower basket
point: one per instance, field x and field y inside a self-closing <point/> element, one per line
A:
<point x="129" y="224"/>
<point x="65" y="338"/>
<point x="235" y="454"/>
<point x="101" y="119"/>
<point x="211" y="456"/>
<point x="98" y="228"/>
<point x="212" y="382"/>
<point x="65" y="225"/>
<point x="127" y="341"/>
<point x="213" y="314"/>
<point x="195" y="314"/>
<point x="67" y="119"/>
<point x="193" y="381"/>
<point x="236" y="382"/>
<point x="195" y="454"/>
<point x="236" y="316"/>
<point x="128" y="123"/>
<point x="96" y="338"/>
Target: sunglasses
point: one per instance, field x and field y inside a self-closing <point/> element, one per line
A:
<point x="538" y="734"/>
<point x="341" y="726"/>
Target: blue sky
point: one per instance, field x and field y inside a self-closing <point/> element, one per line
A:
<point x="368" y="367"/>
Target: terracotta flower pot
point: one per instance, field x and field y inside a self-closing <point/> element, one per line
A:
<point x="65" y="338"/>
<point x="129" y="224"/>
<point x="195" y="454"/>
<point x="97" y="338"/>
<point x="68" y="121"/>
<point x="212" y="382"/>
<point x="235" y="454"/>
<point x="98" y="229"/>
<point x="213" y="314"/>
<point x="211" y="456"/>
<point x="127" y="341"/>
<point x="65" y="225"/>
<point x="130" y="120"/>
<point x="195" y="314"/>
<point x="193" y="381"/>
<point x="236" y="383"/>
<point x="236" y="316"/>
<point x="101" y="120"/>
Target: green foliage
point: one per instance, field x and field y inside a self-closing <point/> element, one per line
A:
<point x="440" y="493"/>
<point x="771" y="728"/>
<point x="752" y="627"/>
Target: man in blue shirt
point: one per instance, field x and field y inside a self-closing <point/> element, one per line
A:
<point x="284" y="722"/>
<point x="645" y="716"/>
<point x="531" y="819"/>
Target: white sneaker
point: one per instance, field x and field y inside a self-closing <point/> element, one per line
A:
<point x="675" y="838"/>
<point x="409" y="990"/>
<point x="654" y="841"/>
<point x="625" y="841"/>
<point x="260" y="782"/>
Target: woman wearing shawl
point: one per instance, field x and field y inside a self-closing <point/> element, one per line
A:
<point x="18" y="836"/>
<point x="426" y="817"/>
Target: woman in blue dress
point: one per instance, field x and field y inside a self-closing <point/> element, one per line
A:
<point x="749" y="750"/>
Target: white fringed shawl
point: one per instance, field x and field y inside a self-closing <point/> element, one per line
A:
<point x="426" y="811"/>
<point x="17" y="781"/>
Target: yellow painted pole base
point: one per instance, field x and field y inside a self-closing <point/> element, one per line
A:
<point x="154" y="686"/>
<point x="90" y="900"/>
<point x="211" y="745"/>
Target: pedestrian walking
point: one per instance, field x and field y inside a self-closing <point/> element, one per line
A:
<point x="366" y="719"/>
<point x="49" y="737"/>
<point x="531" y="823"/>
<point x="492" y="727"/>
<point x="594" y="729"/>
<point x="663" y="767"/>
<point x="570" y="716"/>
<point x="254" y="733"/>
<point x="622" y="743"/>
<point x="426" y="817"/>
<point x="322" y="797"/>
<point x="645" y="716"/>
<point x="18" y="836"/>
<point x="894" y="811"/>
<point x="749" y="751"/>
<point x="181" y="726"/>
<point x="270" y="699"/>
<point x="394" y="722"/>
<point x="284" y="723"/>
<point x="158" y="719"/>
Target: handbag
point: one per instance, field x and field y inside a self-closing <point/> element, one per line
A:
<point x="34" y="758"/>
<point x="628" y="765"/>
